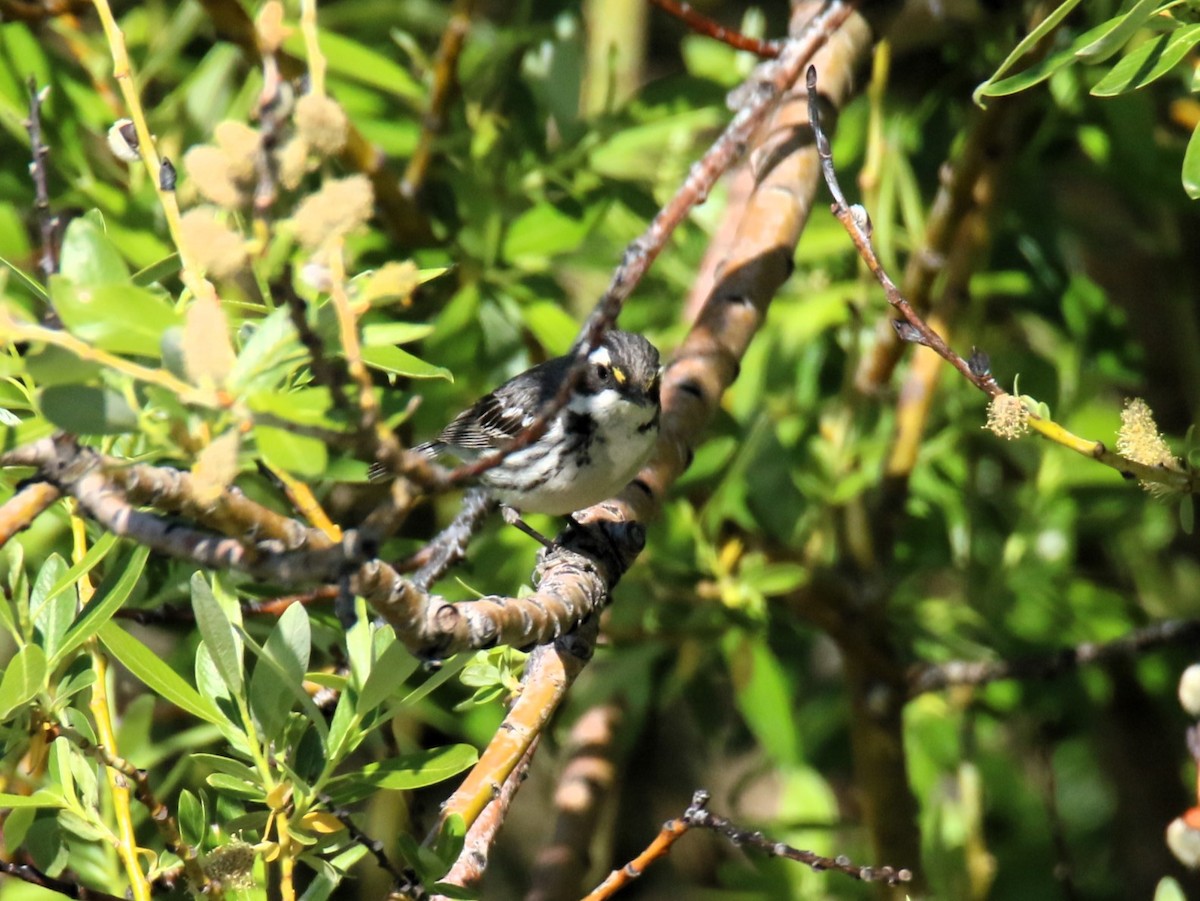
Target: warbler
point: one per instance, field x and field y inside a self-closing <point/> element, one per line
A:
<point x="591" y="448"/>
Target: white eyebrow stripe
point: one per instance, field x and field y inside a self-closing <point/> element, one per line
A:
<point x="600" y="355"/>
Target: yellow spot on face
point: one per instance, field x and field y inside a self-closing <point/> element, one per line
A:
<point x="619" y="375"/>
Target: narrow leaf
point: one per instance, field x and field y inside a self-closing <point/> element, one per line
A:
<point x="1030" y="41"/>
<point x="1111" y="36"/>
<point x="43" y="798"/>
<point x="23" y="678"/>
<point x="100" y="609"/>
<point x="218" y="634"/>
<point x="156" y="674"/>
<point x="1191" y="166"/>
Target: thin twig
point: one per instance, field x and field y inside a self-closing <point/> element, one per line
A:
<point x="325" y="373"/>
<point x="914" y="329"/>
<point x="450" y="545"/>
<point x="697" y="816"/>
<point x="27" y="872"/>
<point x="163" y="821"/>
<point x="47" y="223"/>
<point x="938" y="676"/>
<point x="373" y="845"/>
<point x="702" y="24"/>
<point x="445" y="70"/>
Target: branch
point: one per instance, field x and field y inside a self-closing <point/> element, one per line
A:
<point x="586" y="780"/>
<point x="31" y="874"/>
<point x="549" y="673"/>
<point x="445" y="68"/>
<point x="913" y="329"/>
<point x="472" y="861"/>
<point x="702" y="24"/>
<point x="697" y="816"/>
<point x="20" y="510"/>
<point x="771" y="83"/>
<point x="159" y="815"/>
<point x="937" y="676"/>
<point x="47" y="223"/>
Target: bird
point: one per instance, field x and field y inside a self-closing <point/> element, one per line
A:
<point x="590" y="449"/>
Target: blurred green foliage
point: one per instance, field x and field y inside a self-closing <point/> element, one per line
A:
<point x="994" y="550"/>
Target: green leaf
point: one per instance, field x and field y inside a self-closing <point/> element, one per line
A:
<point x="100" y="609"/>
<point x="402" y="773"/>
<point x="395" y="361"/>
<point x="1030" y="41"/>
<point x="385" y="333"/>
<point x="762" y="695"/>
<point x="156" y="674"/>
<point x="23" y="678"/>
<point x="31" y="284"/>
<point x="1168" y="889"/>
<point x="388" y="674"/>
<point x="157" y="272"/>
<point x="87" y="410"/>
<point x="51" y="611"/>
<point x="58" y="366"/>
<point x="304" y="406"/>
<point x="546" y="231"/>
<point x="90" y="560"/>
<point x="351" y="60"/>
<point x="553" y="326"/>
<point x="191" y="818"/>
<point x="219" y="636"/>
<point x="43" y="798"/>
<point x="286" y="450"/>
<point x="88" y="257"/>
<point x="1191" y="165"/>
<point x="279" y="675"/>
<point x="1111" y="36"/>
<point x="1148" y="62"/>
<point x="237" y="787"/>
<point x="120" y="318"/>
<point x="273" y="352"/>
<point x="226" y="765"/>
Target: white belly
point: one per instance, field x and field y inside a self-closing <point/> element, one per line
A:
<point x="617" y="451"/>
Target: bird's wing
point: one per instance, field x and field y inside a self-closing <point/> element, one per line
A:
<point x="487" y="424"/>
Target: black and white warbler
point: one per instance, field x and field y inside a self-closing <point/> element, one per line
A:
<point x="591" y="448"/>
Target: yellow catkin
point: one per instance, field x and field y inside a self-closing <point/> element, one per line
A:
<point x="219" y="250"/>
<point x="339" y="207"/>
<point x="321" y="122"/>
<point x="1007" y="416"/>
<point x="209" y="170"/>
<point x="292" y="160"/>
<point x="1139" y="438"/>
<point x="1140" y="441"/>
<point x="239" y="142"/>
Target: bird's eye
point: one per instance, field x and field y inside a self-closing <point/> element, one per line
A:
<point x="602" y="372"/>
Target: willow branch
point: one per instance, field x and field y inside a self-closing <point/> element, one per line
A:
<point x="911" y="327"/>
<point x="928" y="677"/>
<point x="697" y="816"/>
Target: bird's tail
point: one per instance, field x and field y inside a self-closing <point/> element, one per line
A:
<point x="377" y="472"/>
